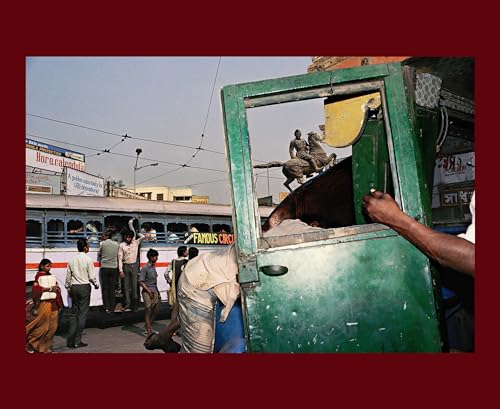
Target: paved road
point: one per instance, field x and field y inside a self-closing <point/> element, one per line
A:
<point x="114" y="333"/>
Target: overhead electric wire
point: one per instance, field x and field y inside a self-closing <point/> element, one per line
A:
<point x="125" y="155"/>
<point x="126" y="136"/>
<point x="206" y="117"/>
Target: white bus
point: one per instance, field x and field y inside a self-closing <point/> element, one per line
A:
<point x="54" y="223"/>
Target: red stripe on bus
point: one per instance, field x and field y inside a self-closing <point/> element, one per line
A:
<point x="32" y="266"/>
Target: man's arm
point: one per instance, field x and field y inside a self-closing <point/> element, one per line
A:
<point x="99" y="252"/>
<point x="446" y="249"/>
<point x="131" y="226"/>
<point x="142" y="277"/>
<point x="67" y="282"/>
<point x="120" y="260"/>
<point x="91" y="273"/>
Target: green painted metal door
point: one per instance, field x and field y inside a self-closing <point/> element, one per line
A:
<point x="361" y="288"/>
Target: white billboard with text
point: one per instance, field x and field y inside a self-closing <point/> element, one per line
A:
<point x="82" y="184"/>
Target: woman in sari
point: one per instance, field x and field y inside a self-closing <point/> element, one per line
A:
<point x="40" y="332"/>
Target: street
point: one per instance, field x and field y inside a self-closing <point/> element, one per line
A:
<point x="116" y="333"/>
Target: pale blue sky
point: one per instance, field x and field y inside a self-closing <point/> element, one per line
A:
<point x="166" y="99"/>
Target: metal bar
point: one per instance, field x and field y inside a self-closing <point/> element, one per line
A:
<point x="317" y="92"/>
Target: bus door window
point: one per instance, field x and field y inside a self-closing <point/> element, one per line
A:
<point x="34" y="232"/>
<point x="55" y="231"/>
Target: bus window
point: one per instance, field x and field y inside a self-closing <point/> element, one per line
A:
<point x="200" y="228"/>
<point x="221" y="228"/>
<point x="154" y="232"/>
<point x="176" y="232"/>
<point x="33" y="232"/>
<point x="93" y="230"/>
<point x="55" y="231"/>
<point x="120" y="221"/>
<point x="75" y="229"/>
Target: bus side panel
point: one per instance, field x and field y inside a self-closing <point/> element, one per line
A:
<point x="61" y="257"/>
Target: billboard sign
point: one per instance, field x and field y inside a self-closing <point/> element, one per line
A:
<point x="44" y="184"/>
<point x="199" y="199"/>
<point x="82" y="184"/>
<point x="43" y="156"/>
<point x="209" y="238"/>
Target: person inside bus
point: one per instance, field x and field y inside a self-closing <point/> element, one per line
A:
<point x="80" y="274"/>
<point x="128" y="266"/>
<point x="172" y="237"/>
<point x="148" y="280"/>
<point x="107" y="255"/>
<point x="455" y="253"/>
<point x="91" y="227"/>
<point x="149" y="232"/>
<point x="40" y="332"/>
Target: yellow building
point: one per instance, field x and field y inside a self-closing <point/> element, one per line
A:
<point x="170" y="194"/>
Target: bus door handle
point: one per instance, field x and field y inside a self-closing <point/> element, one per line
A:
<point x="274" y="270"/>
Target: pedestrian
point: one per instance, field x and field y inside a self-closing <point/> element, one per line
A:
<point x="47" y="296"/>
<point x="108" y="257"/>
<point x="148" y="280"/>
<point x="80" y="274"/>
<point x="172" y="274"/>
<point x="128" y="266"/>
<point x="206" y="279"/>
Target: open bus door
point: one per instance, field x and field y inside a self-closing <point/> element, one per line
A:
<point x="356" y="286"/>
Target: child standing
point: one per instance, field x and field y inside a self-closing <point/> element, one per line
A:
<point x="148" y="279"/>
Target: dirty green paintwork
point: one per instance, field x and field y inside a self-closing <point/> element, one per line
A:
<point x="344" y="297"/>
<point x="370" y="166"/>
<point x="369" y="292"/>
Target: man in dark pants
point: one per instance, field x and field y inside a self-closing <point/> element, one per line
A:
<point x="128" y="266"/>
<point x="80" y="274"/>
<point x="108" y="257"/>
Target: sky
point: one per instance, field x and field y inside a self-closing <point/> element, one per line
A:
<point x="173" y="100"/>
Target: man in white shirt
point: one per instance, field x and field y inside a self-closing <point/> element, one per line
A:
<point x="80" y="274"/>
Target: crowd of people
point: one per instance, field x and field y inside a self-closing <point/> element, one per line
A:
<point x="119" y="272"/>
<point x="201" y="286"/>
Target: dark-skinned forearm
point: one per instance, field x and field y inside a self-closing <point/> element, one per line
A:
<point x="448" y="250"/>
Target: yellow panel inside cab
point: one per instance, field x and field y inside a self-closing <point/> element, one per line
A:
<point x="345" y="120"/>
